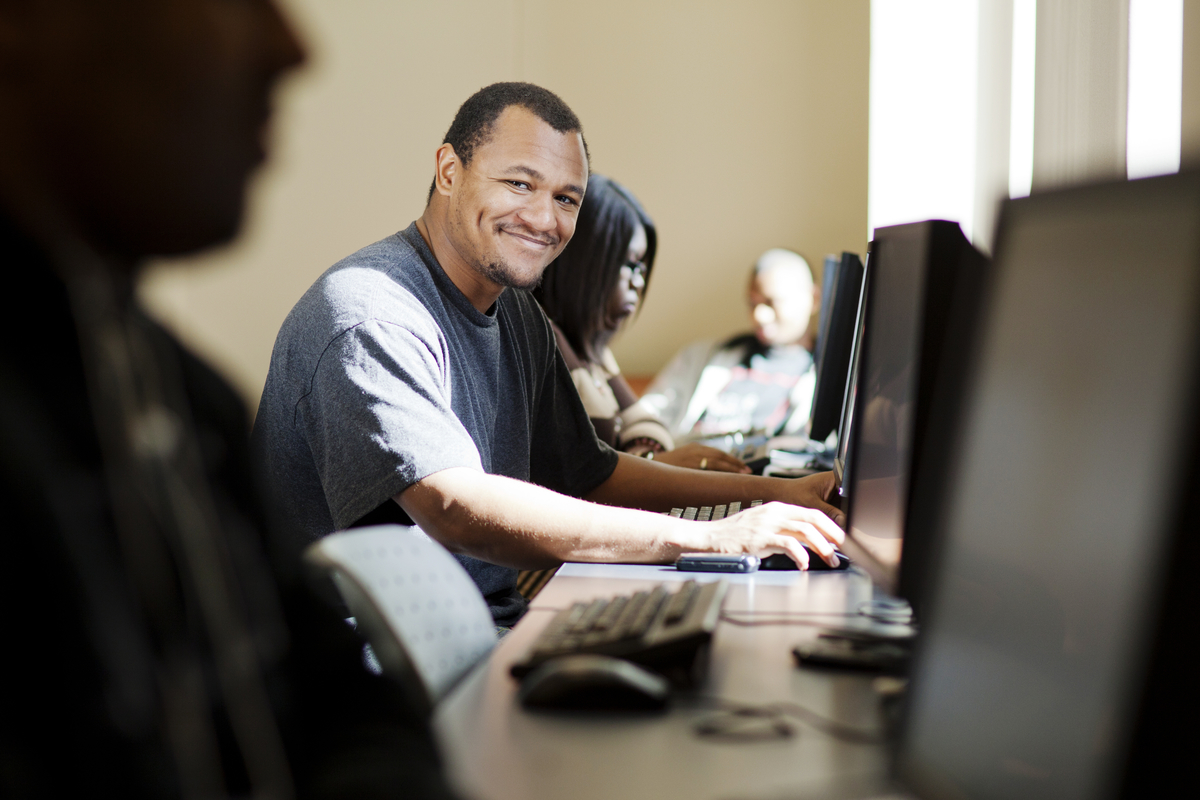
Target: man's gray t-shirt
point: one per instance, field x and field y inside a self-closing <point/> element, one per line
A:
<point x="384" y="373"/>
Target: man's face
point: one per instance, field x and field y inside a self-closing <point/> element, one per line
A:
<point x="513" y="209"/>
<point x="149" y="115"/>
<point x="781" y="303"/>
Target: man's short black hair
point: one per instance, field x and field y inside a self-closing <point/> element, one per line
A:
<point x="473" y="124"/>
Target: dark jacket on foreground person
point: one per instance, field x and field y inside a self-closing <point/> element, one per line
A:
<point x="103" y="690"/>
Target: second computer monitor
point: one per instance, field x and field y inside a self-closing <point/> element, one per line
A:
<point x="839" y="310"/>
<point x="916" y="275"/>
<point x="841" y="463"/>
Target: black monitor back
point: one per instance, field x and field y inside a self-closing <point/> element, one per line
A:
<point x="919" y="274"/>
<point x="1054" y="660"/>
<point x="841" y="463"/>
<point x="839" y="310"/>
<point x="940" y="391"/>
<point x="829" y="274"/>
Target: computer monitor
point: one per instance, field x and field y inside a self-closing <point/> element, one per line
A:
<point x="917" y="273"/>
<point x="839" y="312"/>
<point x="1053" y="660"/>
<point x="829" y="274"/>
<point x="841" y="464"/>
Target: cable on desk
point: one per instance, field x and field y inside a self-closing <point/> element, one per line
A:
<point x="754" y="612"/>
<point x="811" y="618"/>
<point x="892" y="612"/>
<point x="831" y="727"/>
<point x="778" y="619"/>
<point x="745" y="723"/>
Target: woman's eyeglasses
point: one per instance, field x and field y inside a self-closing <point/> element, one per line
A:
<point x="635" y="269"/>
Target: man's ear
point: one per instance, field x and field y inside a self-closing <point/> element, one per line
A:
<point x="445" y="170"/>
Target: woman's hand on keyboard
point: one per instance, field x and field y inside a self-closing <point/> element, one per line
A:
<point x="814" y="491"/>
<point x="777" y="528"/>
<point x="698" y="456"/>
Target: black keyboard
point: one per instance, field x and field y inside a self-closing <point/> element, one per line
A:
<point x="665" y="631"/>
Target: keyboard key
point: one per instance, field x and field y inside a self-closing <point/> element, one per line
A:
<point x="620" y="628"/>
<point x="587" y="618"/>
<point x="606" y="620"/>
<point x="646" y="614"/>
<point x="681" y="601"/>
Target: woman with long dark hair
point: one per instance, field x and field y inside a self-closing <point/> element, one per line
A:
<point x="589" y="292"/>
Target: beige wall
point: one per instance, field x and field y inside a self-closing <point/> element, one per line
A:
<point x="740" y="126"/>
<point x="1190" y="144"/>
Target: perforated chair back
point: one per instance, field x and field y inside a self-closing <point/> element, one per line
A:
<point x="422" y="614"/>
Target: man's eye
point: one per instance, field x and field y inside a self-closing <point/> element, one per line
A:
<point x="519" y="184"/>
<point x="565" y="200"/>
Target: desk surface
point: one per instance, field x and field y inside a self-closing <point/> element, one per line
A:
<point x="495" y="749"/>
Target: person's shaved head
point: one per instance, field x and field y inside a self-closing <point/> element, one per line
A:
<point x="781" y="297"/>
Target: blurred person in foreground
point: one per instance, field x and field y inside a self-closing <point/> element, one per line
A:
<point x="590" y="292"/>
<point x="760" y="382"/>
<point x="153" y="646"/>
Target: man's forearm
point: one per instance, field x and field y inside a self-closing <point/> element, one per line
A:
<point x="517" y="524"/>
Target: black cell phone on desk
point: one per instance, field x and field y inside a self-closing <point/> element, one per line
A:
<point x="716" y="562"/>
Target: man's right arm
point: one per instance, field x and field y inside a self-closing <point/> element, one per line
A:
<point x="513" y="523"/>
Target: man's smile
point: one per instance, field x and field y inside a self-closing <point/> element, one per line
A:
<point x="531" y="239"/>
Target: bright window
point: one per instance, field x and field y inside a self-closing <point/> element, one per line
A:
<point x="1155" y="108"/>
<point x="923" y="87"/>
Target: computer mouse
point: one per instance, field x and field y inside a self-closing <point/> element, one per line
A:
<point x="594" y="682"/>
<point x="815" y="563"/>
<point x="757" y="465"/>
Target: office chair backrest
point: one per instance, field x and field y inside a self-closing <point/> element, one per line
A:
<point x="419" y="609"/>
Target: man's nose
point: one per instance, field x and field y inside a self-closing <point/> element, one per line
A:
<point x="538" y="213"/>
<point x="763" y="314"/>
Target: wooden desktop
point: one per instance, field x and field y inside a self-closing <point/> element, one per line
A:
<point x="495" y="749"/>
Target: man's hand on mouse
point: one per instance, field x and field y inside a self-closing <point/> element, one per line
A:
<point x="776" y="528"/>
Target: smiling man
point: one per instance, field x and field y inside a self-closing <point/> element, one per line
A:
<point x="418" y="381"/>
